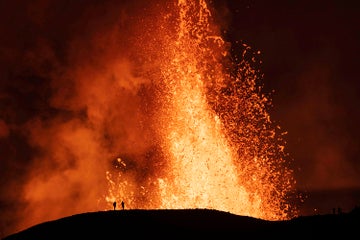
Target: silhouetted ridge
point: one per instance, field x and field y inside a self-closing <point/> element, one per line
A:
<point x="181" y="223"/>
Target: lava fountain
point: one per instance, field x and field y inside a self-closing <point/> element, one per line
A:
<point x="216" y="146"/>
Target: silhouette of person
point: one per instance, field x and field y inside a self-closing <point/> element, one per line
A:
<point x="123" y="205"/>
<point x="114" y="204"/>
<point x="339" y="210"/>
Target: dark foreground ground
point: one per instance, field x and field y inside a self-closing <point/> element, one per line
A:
<point x="182" y="224"/>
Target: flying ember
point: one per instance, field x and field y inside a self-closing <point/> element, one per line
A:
<point x="213" y="143"/>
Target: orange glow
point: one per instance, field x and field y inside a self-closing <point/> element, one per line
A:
<point x="151" y="108"/>
<point x="220" y="148"/>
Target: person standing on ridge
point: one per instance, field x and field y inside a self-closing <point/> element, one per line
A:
<point x="123" y="205"/>
<point x="114" y="205"/>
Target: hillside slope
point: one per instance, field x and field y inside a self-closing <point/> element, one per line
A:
<point x="176" y="224"/>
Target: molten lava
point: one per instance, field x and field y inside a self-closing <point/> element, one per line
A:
<point x="215" y="144"/>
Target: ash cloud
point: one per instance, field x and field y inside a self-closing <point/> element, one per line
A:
<point x="72" y="100"/>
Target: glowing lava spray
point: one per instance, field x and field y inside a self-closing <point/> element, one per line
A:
<point x="211" y="128"/>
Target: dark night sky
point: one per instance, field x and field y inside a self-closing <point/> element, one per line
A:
<point x="310" y="55"/>
<point x="309" y="52"/>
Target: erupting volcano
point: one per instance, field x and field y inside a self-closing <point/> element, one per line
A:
<point x="215" y="146"/>
<point x="149" y="104"/>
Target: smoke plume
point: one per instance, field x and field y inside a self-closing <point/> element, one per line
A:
<point x="72" y="103"/>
